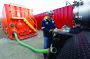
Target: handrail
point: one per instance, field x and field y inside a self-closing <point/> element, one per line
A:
<point x="26" y="21"/>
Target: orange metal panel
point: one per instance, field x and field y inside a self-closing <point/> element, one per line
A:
<point x="17" y="25"/>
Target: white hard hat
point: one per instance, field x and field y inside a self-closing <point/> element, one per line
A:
<point x="49" y="12"/>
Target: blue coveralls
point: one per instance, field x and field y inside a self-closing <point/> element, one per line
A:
<point x="47" y="24"/>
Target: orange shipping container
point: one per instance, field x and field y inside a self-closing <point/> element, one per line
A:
<point x="20" y="20"/>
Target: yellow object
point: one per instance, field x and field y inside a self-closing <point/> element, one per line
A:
<point x="25" y="20"/>
<point x="46" y="17"/>
<point x="32" y="18"/>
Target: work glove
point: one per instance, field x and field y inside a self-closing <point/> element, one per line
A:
<point x="55" y="30"/>
<point x="51" y="30"/>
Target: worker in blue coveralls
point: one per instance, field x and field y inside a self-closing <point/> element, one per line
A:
<point x="48" y="25"/>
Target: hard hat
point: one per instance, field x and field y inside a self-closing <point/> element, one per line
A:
<point x="49" y="13"/>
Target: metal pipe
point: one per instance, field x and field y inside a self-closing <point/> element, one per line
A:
<point x="30" y="47"/>
<point x="25" y="20"/>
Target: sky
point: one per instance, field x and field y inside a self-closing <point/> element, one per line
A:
<point x="38" y="6"/>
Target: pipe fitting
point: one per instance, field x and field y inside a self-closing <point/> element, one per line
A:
<point x="53" y="49"/>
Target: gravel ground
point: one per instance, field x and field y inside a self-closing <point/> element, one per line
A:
<point x="12" y="50"/>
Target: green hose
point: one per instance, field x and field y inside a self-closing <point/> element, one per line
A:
<point x="30" y="47"/>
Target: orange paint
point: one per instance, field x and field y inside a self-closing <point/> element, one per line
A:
<point x="10" y="25"/>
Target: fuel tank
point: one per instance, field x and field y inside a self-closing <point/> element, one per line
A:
<point x="82" y="12"/>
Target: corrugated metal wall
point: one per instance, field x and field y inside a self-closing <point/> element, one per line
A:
<point x="61" y="17"/>
<point x="12" y="21"/>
